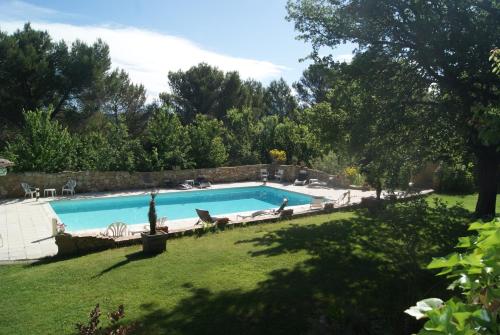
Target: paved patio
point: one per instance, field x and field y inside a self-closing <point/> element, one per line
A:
<point x="26" y="224"/>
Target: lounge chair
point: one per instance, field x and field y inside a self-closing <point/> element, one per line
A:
<point x="344" y="198"/>
<point x="301" y="178"/>
<point x="279" y="175"/>
<point x="205" y="217"/>
<point x="29" y="190"/>
<point x="316" y="183"/>
<point x="184" y="186"/>
<point x="264" y="175"/>
<point x="317" y="203"/>
<point x="117" y="229"/>
<point x="202" y="182"/>
<point x="69" y="187"/>
<point x="266" y="211"/>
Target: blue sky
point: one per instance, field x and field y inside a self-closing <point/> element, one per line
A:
<point x="150" y="38"/>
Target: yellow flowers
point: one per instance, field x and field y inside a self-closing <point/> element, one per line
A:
<point x="278" y="156"/>
<point x="351" y="171"/>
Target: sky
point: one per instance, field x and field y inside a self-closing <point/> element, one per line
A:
<point x="149" y="38"/>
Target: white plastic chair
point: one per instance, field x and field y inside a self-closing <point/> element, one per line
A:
<point x="279" y="175"/>
<point x="117" y="229"/>
<point x="28" y="190"/>
<point x="264" y="175"/>
<point x="69" y="187"/>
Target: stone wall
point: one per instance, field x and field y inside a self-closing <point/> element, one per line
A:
<point x="97" y="181"/>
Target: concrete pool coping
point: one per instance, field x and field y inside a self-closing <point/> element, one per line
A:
<point x="26" y="224"/>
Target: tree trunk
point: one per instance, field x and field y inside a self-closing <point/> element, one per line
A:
<point x="378" y="188"/>
<point x="487" y="167"/>
<point x="57" y="109"/>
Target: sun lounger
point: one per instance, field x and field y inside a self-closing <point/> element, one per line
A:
<point x="184" y="186"/>
<point x="202" y="182"/>
<point x="205" y="217"/>
<point x="343" y="199"/>
<point x="316" y="183"/>
<point x="266" y="211"/>
<point x="317" y="203"/>
<point x="301" y="178"/>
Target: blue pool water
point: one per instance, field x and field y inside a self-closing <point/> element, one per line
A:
<point x="99" y="213"/>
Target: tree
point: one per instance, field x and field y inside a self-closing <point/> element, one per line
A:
<point x="278" y="99"/>
<point x="122" y="97"/>
<point x="314" y="84"/>
<point x="207" y="146"/>
<point x="300" y="144"/>
<point x="169" y="141"/>
<point x="35" y="72"/>
<point x="448" y="42"/>
<point x="43" y="144"/>
<point x="125" y="150"/>
<point x="243" y="130"/>
<point x="374" y="117"/>
<point x="204" y="89"/>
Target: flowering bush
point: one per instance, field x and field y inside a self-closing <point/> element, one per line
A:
<point x="351" y="171"/>
<point x="278" y="156"/>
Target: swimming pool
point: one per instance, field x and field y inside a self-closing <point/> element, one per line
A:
<point x="99" y="213"/>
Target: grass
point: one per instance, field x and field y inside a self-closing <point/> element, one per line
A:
<point x="344" y="273"/>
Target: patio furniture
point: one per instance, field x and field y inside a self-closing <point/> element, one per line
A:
<point x="344" y="198"/>
<point x="202" y="182"/>
<point x="29" y="190"/>
<point x="116" y="229"/>
<point x="264" y="175"/>
<point x="49" y="191"/>
<point x="317" y="203"/>
<point x="205" y="217"/>
<point x="316" y="183"/>
<point x="279" y="175"/>
<point x="186" y="185"/>
<point x="266" y="211"/>
<point x="69" y="187"/>
<point x="301" y="178"/>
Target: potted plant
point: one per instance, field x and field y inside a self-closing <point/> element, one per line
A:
<point x="153" y="242"/>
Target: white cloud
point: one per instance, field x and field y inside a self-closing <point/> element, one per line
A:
<point x="148" y="56"/>
<point x="343" y="58"/>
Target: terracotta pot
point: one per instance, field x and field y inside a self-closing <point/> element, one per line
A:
<point x="154" y="244"/>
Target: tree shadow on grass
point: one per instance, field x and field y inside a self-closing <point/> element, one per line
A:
<point x="362" y="274"/>
<point x="135" y="256"/>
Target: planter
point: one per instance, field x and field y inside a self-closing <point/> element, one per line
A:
<point x="154" y="244"/>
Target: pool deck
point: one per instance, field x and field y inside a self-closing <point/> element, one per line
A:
<point x="26" y="224"/>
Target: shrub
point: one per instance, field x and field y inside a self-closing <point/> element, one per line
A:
<point x="43" y="145"/>
<point x="353" y="175"/>
<point x="457" y="178"/>
<point x="93" y="328"/>
<point x="278" y="156"/>
<point x="476" y="273"/>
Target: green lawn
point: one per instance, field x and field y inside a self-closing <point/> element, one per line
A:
<point x="355" y="271"/>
